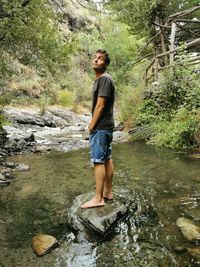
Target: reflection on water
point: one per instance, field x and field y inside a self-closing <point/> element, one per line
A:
<point x="164" y="184"/>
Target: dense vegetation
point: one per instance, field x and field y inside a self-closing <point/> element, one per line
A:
<point x="46" y="48"/>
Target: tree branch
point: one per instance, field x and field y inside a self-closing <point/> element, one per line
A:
<point x="140" y="59"/>
<point x="161" y="26"/>
<point x="188" y="20"/>
<point x="148" y="42"/>
<point x="187" y="30"/>
<point x="185" y="12"/>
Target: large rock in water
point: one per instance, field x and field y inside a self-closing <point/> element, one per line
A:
<point x="98" y="221"/>
<point x="42" y="244"/>
<point x="190" y="231"/>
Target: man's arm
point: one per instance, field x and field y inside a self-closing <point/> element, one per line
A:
<point x="100" y="105"/>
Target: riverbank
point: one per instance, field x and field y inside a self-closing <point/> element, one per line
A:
<point x="56" y="129"/>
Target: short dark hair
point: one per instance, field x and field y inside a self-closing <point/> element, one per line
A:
<point x="107" y="56"/>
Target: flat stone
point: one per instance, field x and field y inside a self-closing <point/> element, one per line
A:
<point x="22" y="167"/>
<point x="4" y="183"/>
<point x="43" y="244"/>
<point x="190" y="231"/>
<point x="99" y="221"/>
<point x="9" y="164"/>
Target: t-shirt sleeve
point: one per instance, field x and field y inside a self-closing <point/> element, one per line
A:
<point x="104" y="87"/>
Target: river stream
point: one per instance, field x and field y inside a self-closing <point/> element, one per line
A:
<point x="164" y="184"/>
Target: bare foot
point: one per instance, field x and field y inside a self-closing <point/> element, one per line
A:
<point x="93" y="203"/>
<point x="108" y="196"/>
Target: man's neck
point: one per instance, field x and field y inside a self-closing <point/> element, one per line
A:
<point x="99" y="74"/>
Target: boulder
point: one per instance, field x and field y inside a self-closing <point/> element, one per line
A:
<point x="98" y="221"/>
<point x="9" y="164"/>
<point x="120" y="126"/>
<point x="43" y="244"/>
<point x="190" y="231"/>
<point x="18" y="140"/>
<point x="195" y="252"/>
<point x="3" y="181"/>
<point x="22" y="167"/>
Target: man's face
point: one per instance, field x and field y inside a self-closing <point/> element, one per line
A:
<point x="98" y="63"/>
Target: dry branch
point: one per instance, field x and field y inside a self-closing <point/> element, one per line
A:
<point x="161" y="26"/>
<point x="141" y="58"/>
<point x="188" y="20"/>
<point x="148" y="42"/>
<point x="185" y="12"/>
<point x="186" y="46"/>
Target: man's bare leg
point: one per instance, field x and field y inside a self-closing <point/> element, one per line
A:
<point x="97" y="200"/>
<point x="109" y="168"/>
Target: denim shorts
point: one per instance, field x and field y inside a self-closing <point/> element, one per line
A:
<point x="100" y="145"/>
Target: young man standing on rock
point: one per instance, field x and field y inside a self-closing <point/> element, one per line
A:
<point x="101" y="130"/>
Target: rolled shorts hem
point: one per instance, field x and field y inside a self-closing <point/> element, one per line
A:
<point x="100" y="160"/>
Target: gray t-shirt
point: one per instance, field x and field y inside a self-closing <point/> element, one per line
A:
<point x="104" y="86"/>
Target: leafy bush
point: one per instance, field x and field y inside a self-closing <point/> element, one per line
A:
<point x="179" y="133"/>
<point x="127" y="103"/>
<point x="172" y="110"/>
<point x="65" y="98"/>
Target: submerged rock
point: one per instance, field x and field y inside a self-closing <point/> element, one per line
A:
<point x="22" y="167"/>
<point x="4" y="182"/>
<point x="195" y="252"/>
<point x="98" y="221"/>
<point x="43" y="244"/>
<point x="9" y="164"/>
<point x="190" y="231"/>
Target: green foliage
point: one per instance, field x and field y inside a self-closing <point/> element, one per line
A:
<point x="5" y="99"/>
<point x="130" y="96"/>
<point x="65" y="98"/>
<point x="140" y="14"/>
<point x="30" y="33"/>
<point x="114" y="36"/>
<point x="147" y="112"/>
<point x="43" y="103"/>
<point x="122" y="47"/>
<point x="172" y="110"/>
<point x="178" y="133"/>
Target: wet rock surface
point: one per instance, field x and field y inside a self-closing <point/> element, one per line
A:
<point x="39" y="202"/>
<point x="7" y="170"/>
<point x="29" y="131"/>
<point x="189" y="230"/>
<point x="56" y="129"/>
<point x="191" y="233"/>
<point x="43" y="244"/>
<point x="99" y="221"/>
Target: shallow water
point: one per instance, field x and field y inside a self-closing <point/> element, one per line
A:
<point x="164" y="184"/>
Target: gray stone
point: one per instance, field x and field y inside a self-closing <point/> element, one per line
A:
<point x="22" y="167"/>
<point x="8" y="175"/>
<point x="3" y="181"/>
<point x="9" y="164"/>
<point x="98" y="221"/>
<point x="2" y="177"/>
<point x="119" y="136"/>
